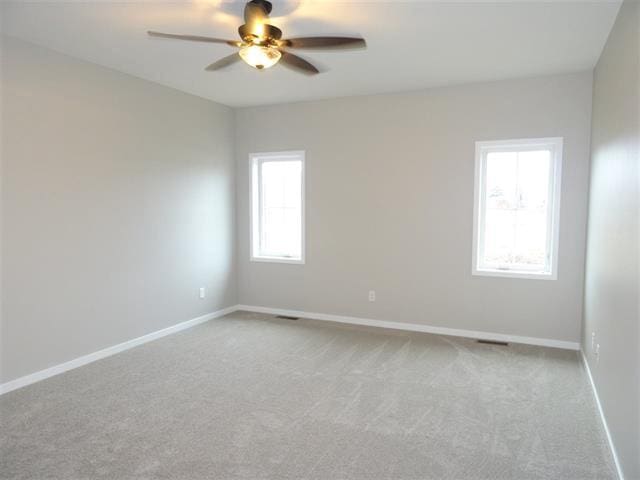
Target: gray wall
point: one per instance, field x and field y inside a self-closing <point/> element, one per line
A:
<point x="389" y="183"/>
<point x="612" y="292"/>
<point x="117" y="203"/>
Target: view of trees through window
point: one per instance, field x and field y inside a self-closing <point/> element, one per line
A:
<point x="516" y="209"/>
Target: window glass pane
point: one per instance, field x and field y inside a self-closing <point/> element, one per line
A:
<point x="501" y="180"/>
<point x="280" y="209"/>
<point x="292" y="232"/>
<point x="499" y="236"/>
<point x="273" y="231"/>
<point x="533" y="179"/>
<point x="530" y="245"/>
<point x="515" y="218"/>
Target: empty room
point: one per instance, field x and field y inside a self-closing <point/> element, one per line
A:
<point x="320" y="239"/>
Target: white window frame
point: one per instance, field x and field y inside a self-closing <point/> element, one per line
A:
<point x="554" y="144"/>
<point x="255" y="159"/>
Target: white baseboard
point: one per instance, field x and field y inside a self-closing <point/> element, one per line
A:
<point x="106" y="352"/>
<point x="412" y="327"/>
<point x="415" y="327"/>
<point x="602" y="417"/>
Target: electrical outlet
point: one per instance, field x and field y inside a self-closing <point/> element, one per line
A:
<point x="201" y="292"/>
<point x="593" y="340"/>
<point x="372" y="295"/>
<point x="597" y="352"/>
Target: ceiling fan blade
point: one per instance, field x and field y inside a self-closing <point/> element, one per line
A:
<point x="324" y="42"/>
<point x="194" y="38"/>
<point x="297" y="63"/>
<point x="223" y="62"/>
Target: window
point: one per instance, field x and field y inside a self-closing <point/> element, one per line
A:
<point x="517" y="207"/>
<point x="277" y="207"/>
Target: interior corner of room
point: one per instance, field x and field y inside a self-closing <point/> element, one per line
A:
<point x="154" y="222"/>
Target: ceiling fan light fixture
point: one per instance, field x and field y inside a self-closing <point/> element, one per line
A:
<point x="260" y="57"/>
<point x="262" y="46"/>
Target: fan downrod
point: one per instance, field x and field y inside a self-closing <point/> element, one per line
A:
<point x="264" y="4"/>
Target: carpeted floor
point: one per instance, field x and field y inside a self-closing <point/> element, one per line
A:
<point x="250" y="397"/>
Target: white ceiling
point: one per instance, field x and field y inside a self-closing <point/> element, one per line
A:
<point x="411" y="44"/>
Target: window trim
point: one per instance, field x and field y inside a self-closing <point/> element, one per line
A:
<point x="555" y="144"/>
<point x="254" y="217"/>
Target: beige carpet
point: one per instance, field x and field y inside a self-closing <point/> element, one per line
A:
<point x="250" y="397"/>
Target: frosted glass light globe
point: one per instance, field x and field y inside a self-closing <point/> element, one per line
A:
<point x="260" y="57"/>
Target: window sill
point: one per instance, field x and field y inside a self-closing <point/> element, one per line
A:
<point x="295" y="261"/>
<point x="515" y="274"/>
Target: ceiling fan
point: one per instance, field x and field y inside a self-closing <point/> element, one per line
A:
<point x="262" y="45"/>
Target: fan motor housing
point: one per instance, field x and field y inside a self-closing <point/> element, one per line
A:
<point x="269" y="32"/>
